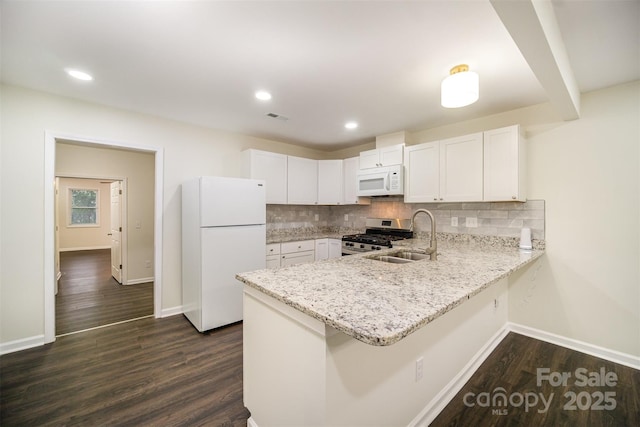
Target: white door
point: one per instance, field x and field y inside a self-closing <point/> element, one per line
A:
<point x="116" y="230"/>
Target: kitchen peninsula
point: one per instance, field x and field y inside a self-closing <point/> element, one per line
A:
<point x="358" y="341"/>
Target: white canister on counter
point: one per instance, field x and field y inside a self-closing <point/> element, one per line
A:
<point x="525" y="239"/>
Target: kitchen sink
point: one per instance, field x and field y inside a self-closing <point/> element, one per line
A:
<point x="391" y="259"/>
<point x="400" y="257"/>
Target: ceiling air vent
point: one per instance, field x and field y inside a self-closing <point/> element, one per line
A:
<point x="277" y="116"/>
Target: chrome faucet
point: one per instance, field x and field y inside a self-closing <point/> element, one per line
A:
<point x="432" y="250"/>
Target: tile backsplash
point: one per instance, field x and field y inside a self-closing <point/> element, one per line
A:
<point x="504" y="219"/>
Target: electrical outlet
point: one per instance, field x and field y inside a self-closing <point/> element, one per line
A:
<point x="454" y="221"/>
<point x="419" y="368"/>
<point x="472" y="222"/>
<point x="317" y="217"/>
<point x="346" y="217"/>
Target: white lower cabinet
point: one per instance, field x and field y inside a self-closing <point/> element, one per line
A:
<point x="328" y="248"/>
<point x="273" y="255"/>
<point x="322" y="249"/>
<point x="292" y="253"/>
<point x="335" y="248"/>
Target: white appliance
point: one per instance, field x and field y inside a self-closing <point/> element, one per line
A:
<point x="381" y="181"/>
<point x="223" y="233"/>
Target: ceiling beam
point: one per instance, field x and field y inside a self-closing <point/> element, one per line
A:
<point x="534" y="28"/>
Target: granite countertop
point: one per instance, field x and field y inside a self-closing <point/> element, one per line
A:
<point x="380" y="303"/>
<point x="295" y="237"/>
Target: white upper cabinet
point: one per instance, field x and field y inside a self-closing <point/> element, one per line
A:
<point x="461" y="168"/>
<point x="350" y="189"/>
<point x="302" y="181"/>
<point x="384" y="156"/>
<point x="330" y="182"/>
<point x="504" y="165"/>
<point x="422" y="172"/>
<point x="271" y="167"/>
<point x="444" y="171"/>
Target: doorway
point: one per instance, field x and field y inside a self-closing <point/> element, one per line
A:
<point x="92" y="288"/>
<point x="154" y="226"/>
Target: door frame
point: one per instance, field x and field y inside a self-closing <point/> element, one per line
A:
<point x="123" y="218"/>
<point x="50" y="139"/>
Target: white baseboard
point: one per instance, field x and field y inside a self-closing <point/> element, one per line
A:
<point x="21" y="344"/>
<point x="138" y="281"/>
<point x="581" y="346"/>
<point x="442" y="399"/>
<point x="167" y="312"/>
<point x="84" y="248"/>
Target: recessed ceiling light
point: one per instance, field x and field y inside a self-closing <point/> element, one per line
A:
<point x="80" y="75"/>
<point x="351" y="125"/>
<point x="263" y="95"/>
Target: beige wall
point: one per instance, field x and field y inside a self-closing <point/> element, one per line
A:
<point x="136" y="169"/>
<point x="188" y="151"/>
<point x="81" y="238"/>
<point x="585" y="288"/>
<point x="588" y="285"/>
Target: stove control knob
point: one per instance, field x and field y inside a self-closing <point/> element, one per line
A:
<point x="361" y="246"/>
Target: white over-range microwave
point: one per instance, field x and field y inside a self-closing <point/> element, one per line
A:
<point x="381" y="181"/>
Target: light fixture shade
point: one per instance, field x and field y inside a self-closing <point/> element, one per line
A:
<point x="460" y="89"/>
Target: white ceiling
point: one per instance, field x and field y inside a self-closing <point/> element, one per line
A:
<point x="379" y="63"/>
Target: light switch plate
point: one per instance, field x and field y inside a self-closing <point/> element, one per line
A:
<point x="454" y="221"/>
<point x="472" y="222"/>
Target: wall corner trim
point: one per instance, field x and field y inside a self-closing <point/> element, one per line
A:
<point x="581" y="346"/>
<point x="21" y="344"/>
<point x="172" y="311"/>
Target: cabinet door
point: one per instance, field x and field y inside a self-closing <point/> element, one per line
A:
<point x="330" y="182"/>
<point x="302" y="181"/>
<point x="369" y="159"/>
<point x="272" y="167"/>
<point x="335" y="248"/>
<point x="461" y="168"/>
<point x="351" y="167"/>
<point x="422" y="176"/>
<point x="391" y="155"/>
<point x="273" y="261"/>
<point x="322" y="249"/>
<point x="504" y="165"/>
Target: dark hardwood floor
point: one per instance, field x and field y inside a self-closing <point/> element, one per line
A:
<point x="513" y="367"/>
<point x="162" y="372"/>
<point x="89" y="297"/>
<point x="149" y="372"/>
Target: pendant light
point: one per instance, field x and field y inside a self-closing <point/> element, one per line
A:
<point x="460" y="88"/>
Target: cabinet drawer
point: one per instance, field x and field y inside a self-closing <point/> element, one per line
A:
<point x="296" y="258"/>
<point x="273" y="249"/>
<point x="303" y="245"/>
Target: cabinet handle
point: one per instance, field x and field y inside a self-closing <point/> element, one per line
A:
<point x="435" y="199"/>
<point x="513" y="197"/>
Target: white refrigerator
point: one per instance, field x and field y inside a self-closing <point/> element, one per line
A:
<point x="223" y="233"/>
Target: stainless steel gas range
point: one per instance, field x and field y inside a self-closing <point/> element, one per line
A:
<point x="379" y="234"/>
